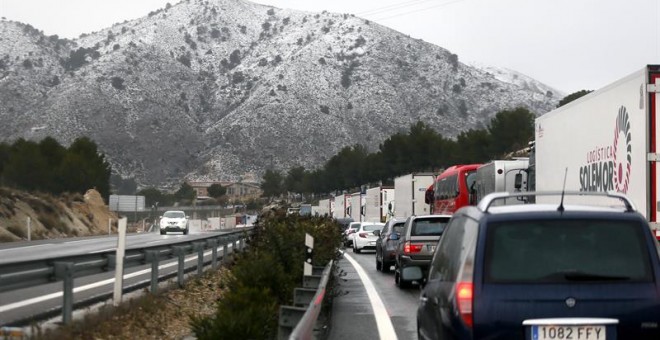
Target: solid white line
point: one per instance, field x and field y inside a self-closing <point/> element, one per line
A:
<point x="21" y="248"/>
<point x="50" y="296"/>
<point x="383" y="321"/>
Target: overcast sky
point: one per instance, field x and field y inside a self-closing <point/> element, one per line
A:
<point x="568" y="44"/>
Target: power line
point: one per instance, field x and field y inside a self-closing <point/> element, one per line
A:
<point x="419" y="10"/>
<point x="391" y="7"/>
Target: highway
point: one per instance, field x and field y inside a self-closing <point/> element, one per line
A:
<point x="22" y="305"/>
<point x="357" y="314"/>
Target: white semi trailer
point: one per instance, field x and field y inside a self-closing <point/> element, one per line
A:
<point x="409" y="190"/>
<point x="379" y="201"/>
<point x="605" y="141"/>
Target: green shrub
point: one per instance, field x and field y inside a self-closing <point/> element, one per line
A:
<point x="265" y="276"/>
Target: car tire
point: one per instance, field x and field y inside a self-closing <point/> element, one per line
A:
<point x="185" y="231"/>
<point x="379" y="265"/>
<point x="356" y="250"/>
<point x="163" y="232"/>
<point x="385" y="267"/>
<point x="399" y="282"/>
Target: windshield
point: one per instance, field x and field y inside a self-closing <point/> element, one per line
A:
<point x="553" y="251"/>
<point x="174" y="214"/>
<point x="428" y="226"/>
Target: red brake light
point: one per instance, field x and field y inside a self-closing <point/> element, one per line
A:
<point x="363" y="235"/>
<point x="464" y="291"/>
<point x="412" y="248"/>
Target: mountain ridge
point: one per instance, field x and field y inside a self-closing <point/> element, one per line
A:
<point x="216" y="89"/>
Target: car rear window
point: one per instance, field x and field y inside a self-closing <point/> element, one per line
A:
<point x="428" y="226"/>
<point x="174" y="214"/>
<point x="560" y="251"/>
<point x="372" y="227"/>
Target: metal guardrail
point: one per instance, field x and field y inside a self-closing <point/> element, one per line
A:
<point x="297" y="322"/>
<point x="25" y="274"/>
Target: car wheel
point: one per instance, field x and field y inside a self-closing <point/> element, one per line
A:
<point x="399" y="282"/>
<point x="379" y="265"/>
<point x="356" y="249"/>
<point x="163" y="232"/>
<point x="185" y="231"/>
<point x="385" y="267"/>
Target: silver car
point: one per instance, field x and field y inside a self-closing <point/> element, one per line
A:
<point x="417" y="244"/>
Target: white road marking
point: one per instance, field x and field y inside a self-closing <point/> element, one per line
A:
<point x="50" y="296"/>
<point x="383" y="321"/>
<point x="21" y="248"/>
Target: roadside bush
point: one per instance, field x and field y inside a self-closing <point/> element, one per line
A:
<point x="265" y="276"/>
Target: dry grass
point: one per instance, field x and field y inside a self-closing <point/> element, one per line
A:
<point x="163" y="316"/>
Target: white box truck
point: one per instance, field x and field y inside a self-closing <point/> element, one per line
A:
<point x="502" y="176"/>
<point x="324" y="207"/>
<point x="409" y="190"/>
<point x="356" y="209"/>
<point x="377" y="204"/>
<point x="342" y="205"/>
<point x="607" y="141"/>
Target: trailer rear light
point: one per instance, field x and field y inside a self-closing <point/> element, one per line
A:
<point x="363" y="235"/>
<point x="464" y="294"/>
<point x="412" y="248"/>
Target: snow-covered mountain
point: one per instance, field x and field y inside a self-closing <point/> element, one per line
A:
<point x="215" y="88"/>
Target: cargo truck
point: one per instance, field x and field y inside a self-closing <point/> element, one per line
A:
<point x="410" y="191"/>
<point x="356" y="210"/>
<point x="377" y="204"/>
<point x="324" y="207"/>
<point x="501" y="176"/>
<point x="342" y="205"/>
<point x="605" y="141"/>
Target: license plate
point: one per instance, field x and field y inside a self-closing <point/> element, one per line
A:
<point x="582" y="332"/>
<point x="430" y="248"/>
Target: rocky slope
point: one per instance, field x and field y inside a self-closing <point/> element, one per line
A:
<point x="52" y="217"/>
<point x="212" y="89"/>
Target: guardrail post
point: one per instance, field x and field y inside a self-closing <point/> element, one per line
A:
<point x="225" y="251"/>
<point x="214" y="253"/>
<point x="64" y="271"/>
<point x="153" y="257"/>
<point x="180" y="252"/>
<point x="199" y="247"/>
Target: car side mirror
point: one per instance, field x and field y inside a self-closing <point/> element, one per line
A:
<point x="394" y="236"/>
<point x="518" y="181"/>
<point x="377" y="232"/>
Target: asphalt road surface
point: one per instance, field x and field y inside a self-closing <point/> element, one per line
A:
<point x="22" y="304"/>
<point x="372" y="306"/>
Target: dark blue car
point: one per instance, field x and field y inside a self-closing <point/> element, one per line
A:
<point x="543" y="271"/>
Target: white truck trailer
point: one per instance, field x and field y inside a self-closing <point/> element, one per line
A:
<point x="342" y="205"/>
<point x="324" y="207"/>
<point x="502" y="176"/>
<point x="607" y="141"/>
<point x="377" y="203"/>
<point x="357" y="207"/>
<point x="409" y="190"/>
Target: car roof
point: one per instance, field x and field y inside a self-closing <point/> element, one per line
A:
<point x="522" y="208"/>
<point x="430" y="216"/>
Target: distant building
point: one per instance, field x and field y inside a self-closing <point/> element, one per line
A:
<point x="235" y="190"/>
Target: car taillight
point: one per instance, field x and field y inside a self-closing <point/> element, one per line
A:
<point x="411" y="247"/>
<point x="363" y="235"/>
<point x="464" y="291"/>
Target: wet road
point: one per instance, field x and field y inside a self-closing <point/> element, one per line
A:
<point x="356" y="316"/>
